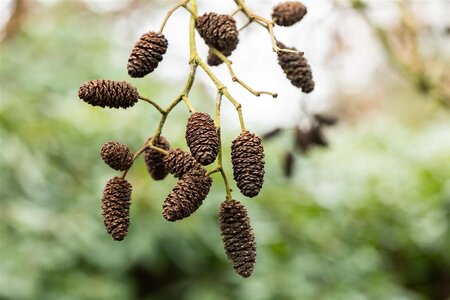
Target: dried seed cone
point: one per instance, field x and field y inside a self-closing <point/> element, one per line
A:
<point x="247" y="157"/>
<point x="213" y="60"/>
<point x="146" y="54"/>
<point x="202" y="138"/>
<point x="116" y="207"/>
<point x="117" y="155"/>
<point x="155" y="160"/>
<point x="110" y="93"/>
<point x="237" y="236"/>
<point x="187" y="195"/>
<point x="178" y="162"/>
<point x="218" y="31"/>
<point x="288" y="13"/>
<point x="297" y="69"/>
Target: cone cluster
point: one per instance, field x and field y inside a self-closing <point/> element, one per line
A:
<point x="146" y="54"/>
<point x="237" y="237"/>
<point x="220" y="32"/>
<point x="192" y="188"/>
<point x="202" y="138"/>
<point x="247" y="157"/>
<point x="154" y="160"/>
<point x="108" y="93"/>
<point x="296" y="68"/>
<point x="117" y="155"/>
<point x="288" y="13"/>
<point x="116" y="207"/>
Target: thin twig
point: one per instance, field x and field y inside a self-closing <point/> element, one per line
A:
<point x="170" y="12"/>
<point x="159" y="108"/>
<point x="236" y="79"/>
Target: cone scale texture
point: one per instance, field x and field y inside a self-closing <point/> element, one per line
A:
<point x="116" y="207"/>
<point x="178" y="162"/>
<point x="296" y="68"/>
<point x="187" y="195"/>
<point x="146" y="54"/>
<point x="154" y="160"/>
<point x="117" y="155"/>
<point x="237" y="237"/>
<point x="247" y="157"/>
<point x="108" y="93"/>
<point x="220" y="32"/>
<point x="288" y="13"/>
<point x="202" y="138"/>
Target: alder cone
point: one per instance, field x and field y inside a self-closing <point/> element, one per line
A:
<point x="202" y="138"/>
<point x="237" y="237"/>
<point x="146" y="54"/>
<point x="110" y="93"/>
<point x="296" y="68"/>
<point x="288" y="13"/>
<point x="117" y="155"/>
<point x="213" y="60"/>
<point x="247" y="157"/>
<point x="179" y="162"/>
<point x="218" y="31"/>
<point x="154" y="160"/>
<point x="187" y="195"/>
<point x="116" y="207"/>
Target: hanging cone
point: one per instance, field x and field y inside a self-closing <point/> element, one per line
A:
<point x="116" y="207"/>
<point x="237" y="237"/>
<point x="146" y="54"/>
<point x="296" y="68"/>
<point x="154" y="160"/>
<point x="110" y="93"/>
<point x="218" y="31"/>
<point x="288" y="13"/>
<point x="117" y="155"/>
<point x="247" y="157"/>
<point x="202" y="138"/>
<point x="187" y="195"/>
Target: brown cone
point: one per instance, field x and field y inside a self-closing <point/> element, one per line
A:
<point x="202" y="138"/>
<point x="247" y="157"/>
<point x="296" y="68"/>
<point x="237" y="237"/>
<point x="178" y="162"/>
<point x="218" y="31"/>
<point x="116" y="207"/>
<point x="117" y="155"/>
<point x="154" y="160"/>
<point x="108" y="93"/>
<point x="146" y="54"/>
<point x="187" y="195"/>
<point x="288" y="13"/>
<point x="213" y="60"/>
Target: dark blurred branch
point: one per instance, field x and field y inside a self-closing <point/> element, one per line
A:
<point x="14" y="24"/>
<point x="413" y="72"/>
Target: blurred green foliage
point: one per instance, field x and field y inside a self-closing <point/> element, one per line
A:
<point x="367" y="218"/>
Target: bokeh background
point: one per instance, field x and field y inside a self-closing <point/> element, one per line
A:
<point x="365" y="213"/>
